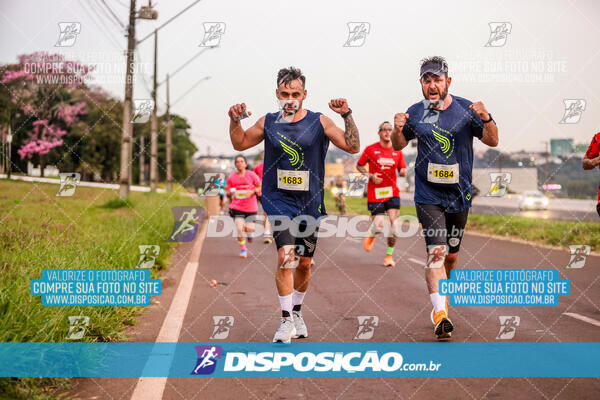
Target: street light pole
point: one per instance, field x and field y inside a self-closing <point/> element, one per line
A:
<point x="154" y="125"/>
<point x="126" y="142"/>
<point x="169" y="139"/>
<point x="547" y="169"/>
<point x="142" y="167"/>
<point x="154" y="118"/>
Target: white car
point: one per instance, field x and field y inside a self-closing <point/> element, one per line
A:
<point x="533" y="200"/>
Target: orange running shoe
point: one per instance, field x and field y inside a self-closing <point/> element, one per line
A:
<point x="433" y="311"/>
<point x="443" y="326"/>
<point x="368" y="243"/>
<point x="389" y="261"/>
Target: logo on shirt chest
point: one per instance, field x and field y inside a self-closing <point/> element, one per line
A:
<point x="293" y="150"/>
<point x="385" y="163"/>
<point x="445" y="139"/>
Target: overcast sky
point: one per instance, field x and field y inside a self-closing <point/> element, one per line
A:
<point x="549" y="55"/>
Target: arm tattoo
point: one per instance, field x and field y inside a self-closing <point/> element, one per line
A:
<point x="351" y="134"/>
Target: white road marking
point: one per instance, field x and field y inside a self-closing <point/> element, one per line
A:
<point x="152" y="388"/>
<point x="583" y="318"/>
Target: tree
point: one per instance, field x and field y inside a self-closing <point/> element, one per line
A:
<point x="41" y="86"/>
<point x="90" y="147"/>
<point x="182" y="148"/>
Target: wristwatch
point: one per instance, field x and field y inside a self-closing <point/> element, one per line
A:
<point x="489" y="120"/>
<point x="344" y="115"/>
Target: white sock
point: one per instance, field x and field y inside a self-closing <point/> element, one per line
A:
<point x="439" y="302"/>
<point x="297" y="297"/>
<point x="286" y="303"/>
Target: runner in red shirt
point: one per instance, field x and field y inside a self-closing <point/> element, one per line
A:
<point x="258" y="170"/>
<point x="383" y="195"/>
<point x="592" y="159"/>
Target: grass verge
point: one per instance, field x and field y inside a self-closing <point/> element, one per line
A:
<point x="92" y="229"/>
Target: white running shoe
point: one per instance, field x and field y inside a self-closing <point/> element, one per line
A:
<point x="286" y="330"/>
<point x="301" y="331"/>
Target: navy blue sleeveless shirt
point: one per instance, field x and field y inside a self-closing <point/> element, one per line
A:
<point x="294" y="166"/>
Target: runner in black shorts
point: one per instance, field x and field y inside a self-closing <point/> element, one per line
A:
<point x="445" y="126"/>
<point x="242" y="187"/>
<point x="296" y="142"/>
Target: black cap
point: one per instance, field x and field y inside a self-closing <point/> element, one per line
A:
<point x="433" y="67"/>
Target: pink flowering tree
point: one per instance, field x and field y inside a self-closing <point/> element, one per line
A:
<point x="41" y="85"/>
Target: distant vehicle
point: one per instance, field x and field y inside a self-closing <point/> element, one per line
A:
<point x="533" y="200"/>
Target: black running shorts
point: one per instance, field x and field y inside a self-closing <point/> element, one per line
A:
<point x="382" y="206"/>
<point x="441" y="227"/>
<point x="233" y="213"/>
<point x="301" y="235"/>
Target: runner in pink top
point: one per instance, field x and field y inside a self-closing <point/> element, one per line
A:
<point x="242" y="187"/>
<point x="258" y="170"/>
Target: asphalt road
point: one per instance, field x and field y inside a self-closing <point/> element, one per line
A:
<point x="348" y="282"/>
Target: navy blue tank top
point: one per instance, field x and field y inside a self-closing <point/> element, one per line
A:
<point x="294" y="167"/>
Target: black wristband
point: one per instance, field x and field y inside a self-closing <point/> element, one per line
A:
<point x="344" y="115"/>
<point x="489" y="120"/>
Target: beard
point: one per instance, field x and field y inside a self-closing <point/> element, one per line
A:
<point x="289" y="107"/>
<point x="442" y="97"/>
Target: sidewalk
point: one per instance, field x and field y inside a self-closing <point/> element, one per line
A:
<point x="82" y="183"/>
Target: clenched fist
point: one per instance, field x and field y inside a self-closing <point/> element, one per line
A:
<point x="479" y="109"/>
<point x="238" y="112"/>
<point x="400" y="121"/>
<point x="340" y="106"/>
